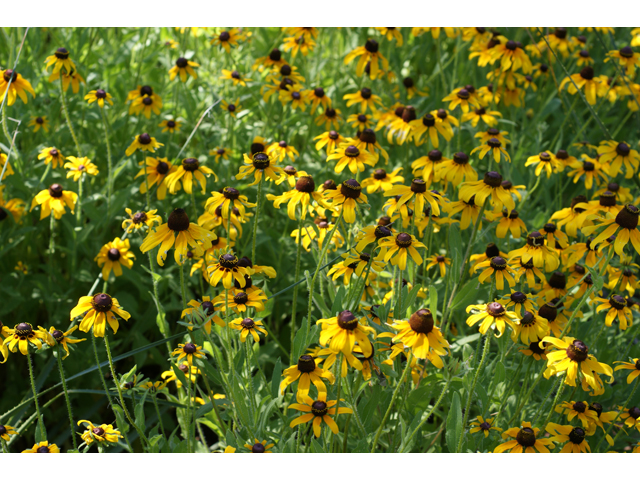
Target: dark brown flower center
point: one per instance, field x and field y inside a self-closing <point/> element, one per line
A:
<point x="518" y="297"/>
<point x="139" y="217"/>
<point x="368" y="136"/>
<point x="56" y="190"/>
<point x="428" y="120"/>
<point x="306" y="364"/>
<point x="144" y="139"/>
<point x="634" y="412"/>
<point x="421" y="321"/>
<point x="493" y="179"/>
<point x="618" y="302"/>
<point x="261" y="161"/>
<point x="371" y="46"/>
<point x="492" y="250"/>
<point x="580" y="407"/>
<point x="306" y="184"/>
<point x="146" y="90"/>
<point x="495" y="309"/>
<point x="498" y="263"/>
<point x="626" y="52"/>
<point x="43" y="450"/>
<point x="578" y="351"/>
<point x="178" y="220"/>
<point x="102" y="302"/>
<point x="350" y="188"/>
<point x="39" y="120"/>
<point x="403" y="240"/>
<point x="535" y="239"/>
<point x="319" y="408"/>
<point x="182" y="62"/>
<point x="230" y="193"/>
<point x="442" y="114"/>
<point x="628" y="217"/>
<point x="526" y="437"/>
<point x="366" y="93"/>
<point x="587" y="73"/>
<point x="409" y="114"/>
<point x="23" y="329"/>
<point x="101" y="93"/>
<point x="148" y="101"/>
<point x="189" y="348"/>
<point x="113" y="254"/>
<point x="98" y="431"/>
<point x="58" y="335"/>
<point x="62" y="53"/>
<point x="347" y="320"/>
<point x="240" y="298"/>
<point x="577" y="435"/>
<point x="463" y="94"/>
<point x="162" y="168"/>
<point x="10" y="75"/>
<point x="352" y="151"/>
<point x="548" y="311"/>
<point x="228" y="260"/>
<point x="558" y="280"/>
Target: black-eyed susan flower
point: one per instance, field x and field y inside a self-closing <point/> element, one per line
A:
<point x="345" y="199"/>
<point x="497" y="270"/>
<point x="146" y="105"/>
<point x="380" y="180"/>
<point x="290" y="175"/>
<point x="60" y="59"/>
<point x="584" y="80"/>
<point x="574" y="436"/>
<point x="248" y="326"/>
<point x="72" y="78"/>
<point x="64" y="338"/>
<point x="579" y="410"/>
<point x="113" y="256"/>
<point x="281" y="150"/>
<point x="6" y="431"/>
<point x="490" y="251"/>
<point x="411" y="88"/>
<point x="258" y="446"/>
<point x="156" y="170"/>
<point x="440" y="261"/>
<point x="54" y="198"/>
<point x="39" y="122"/>
<point x="484" y="426"/>
<point x="329" y="140"/>
<point x="369" y="55"/>
<point x="170" y="125"/>
<point x="366" y="140"/>
<point x="421" y="335"/>
<point x="508" y="222"/>
<point x="365" y="98"/>
<point x="228" y="197"/>
<point x="330" y="118"/>
<point x="53" y="156"/>
<point x="97" y="311"/>
<point x="233" y="108"/>
<point x="417" y="196"/>
<point x="398" y="247"/>
<point x="631" y="417"/>
<point x="14" y="207"/>
<point x="520" y="302"/>
<point x="190" y="372"/>
<point x="352" y="157"/>
<point x="623" y="279"/>
<point x="524" y="440"/>
<point x="536" y="250"/>
<point x="144" y="142"/>
<point x="623" y="226"/>
<point x="592" y="170"/>
<point x="23" y="334"/>
<point x="226" y="268"/>
<point x="617" y="154"/>
<point x="494" y="146"/>
<point x="228" y="38"/>
<point x="469" y="212"/>
<point x="634" y="366"/>
<point x="432" y="127"/>
<point x="304" y="193"/>
<point x="189" y="171"/>
<point x="343" y="331"/>
<point x="102" y="434"/>
<point x="273" y="60"/>
<point x="80" y="166"/>
<point x="299" y="43"/>
<point x="530" y="328"/>
<point x="319" y="410"/>
<point x="20" y="266"/>
<point x="139" y="220"/>
<point x="489" y="117"/>
<point x="260" y="164"/>
<point x="100" y="96"/>
<point x="627" y="58"/>
<point x="492" y="315"/>
<point x="220" y="153"/>
<point x="140" y="91"/>
<point x="178" y="229"/>
<point x="353" y="263"/>
<point x="235" y="77"/>
<point x="545" y="161"/>
<point x="462" y="97"/>
<point x="426" y="166"/>
<point x="489" y="186"/>
<point x="188" y="351"/>
<point x="240" y="300"/>
<point x="617" y="309"/>
<point x="318" y="97"/>
<point x="43" y="447"/>
<point x="534" y="350"/>
<point x="306" y="372"/>
<point x="572" y="356"/>
<point x="208" y="310"/>
<point x="456" y="170"/>
<point x="183" y="68"/>
<point x="360" y="121"/>
<point x="17" y="86"/>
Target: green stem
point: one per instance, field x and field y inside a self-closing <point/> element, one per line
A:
<point x="255" y="223"/>
<point x="155" y="403"/>
<point x="79" y="201"/>
<point x="338" y="392"/>
<point x="35" y="398"/>
<point x="294" y="305"/>
<point x="65" y="110"/>
<point x="554" y="403"/>
<point x="182" y="287"/>
<point x="616" y="419"/>
<point x="109" y="166"/>
<point x="66" y="396"/>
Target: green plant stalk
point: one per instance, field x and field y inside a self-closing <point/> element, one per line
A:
<point x="554" y="403"/>
<point x="117" y="383"/>
<point x="104" y="382"/>
<point x="35" y="397"/>
<point x="255" y="222"/>
<point x="190" y="413"/>
<point x="109" y="166"/>
<point x="485" y="350"/>
<point x="66" y="397"/>
<point x="294" y="304"/>
<point x="393" y="399"/>
<point x="183" y="289"/>
<point x="633" y="392"/>
<point x="79" y="201"/>
<point x="252" y="393"/>
<point x="338" y="392"/>
<point x="4" y="446"/>
<point x="155" y="403"/>
<point x="163" y="329"/>
<point x="65" y="110"/>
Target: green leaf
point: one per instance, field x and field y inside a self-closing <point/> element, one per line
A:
<point x="500" y="374"/>
<point x="239" y="399"/>
<point x="41" y="430"/>
<point x="433" y="299"/>
<point x="156" y="278"/>
<point x="123" y="425"/>
<point x="337" y="305"/>
<point x="180" y="374"/>
<point x="454" y="423"/>
<point x="139" y="413"/>
<point x="466" y="295"/>
<point x="456" y="252"/>
<point x="276" y="379"/>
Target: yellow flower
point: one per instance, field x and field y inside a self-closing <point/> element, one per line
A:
<point x="183" y="67"/>
<point x="228" y="38"/>
<point x="583" y="80"/>
<point x="484" y="426"/>
<point x="97" y="311"/>
<point x="627" y="58"/>
<point x="353" y="157"/>
<point x="365" y="98"/>
<point x="574" y="436"/>
<point x="524" y="440"/>
<point x="342" y="331"/>
<point x="59" y="59"/>
<point x="547" y="161"/>
<point x="616" y="154"/>
<point x="146" y="105"/>
<point x="226" y="268"/>
<point x="498" y="268"/>
<point x="495" y="146"/>
<point x="239" y="300"/>
<point x="64" y="338"/>
<point x="79" y="166"/>
<point x="462" y="97"/>
<point x="617" y="309"/>
<point x="99" y="96"/>
<point x="39" y="122"/>
<point x="144" y="142"/>
<point x="6" y="431"/>
<point x="346" y="198"/>
<point x="103" y="433"/>
<point x="188" y="351"/>
<point x="490" y="185"/>
<point x="380" y="180"/>
<point x="319" y="410"/>
<point x="54" y="198"/>
<point x="634" y="366"/>
<point x="303" y="193"/>
<point x="248" y="326"/>
<point x="259" y="165"/>
<point x="209" y="311"/>
<point x="233" y="108"/>
<point x="23" y="334"/>
<point x="113" y="256"/>
<point x="258" y="447"/>
<point x="493" y="315"/>
<point x="236" y="77"/>
<point x="140" y="219"/>
<point x="189" y="170"/>
<point x="17" y="88"/>
<point x="170" y="126"/>
<point x="72" y="78"/>
<point x="421" y="336"/>
<point x="43" y="447"/>
<point x="306" y="372"/>
<point x="369" y="55"/>
<point x="51" y="155"/>
<point x="156" y="170"/>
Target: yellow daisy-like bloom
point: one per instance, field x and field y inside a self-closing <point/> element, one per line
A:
<point x="417" y="196"/>
<point x="317" y="97"/>
<point x="229" y="197"/>
<point x="97" y="311"/>
<point x="391" y="33"/>
<point x="330" y="140"/>
<point x="170" y="126"/>
<point x="290" y="175"/>
<point x="624" y="226"/>
<point x="59" y="59"/>
<point x="208" y="309"/>
<point x="185" y="174"/>
<point x="352" y="157"/>
<point x="592" y="170"/>
<point x="156" y="170"/>
<point x="490" y="185"/>
<point x="495" y="146"/>
<point x="440" y="261"/>
<point x="64" y="338"/>
<point x="101" y="434"/>
<point x="330" y="118"/>
<point x="369" y="55"/>
<point x="281" y="151"/>
<point x="300" y="43"/>
<point x="484" y="426"/>
<point x="258" y="446"/>
<point x="616" y="154"/>
<point x="183" y="68"/>
<point x="248" y="326"/>
<point x="324" y="228"/>
<point x="236" y="77"/>
<point x="587" y="416"/>
<point x="144" y="142"/>
<point x="524" y="440"/>
<point x="227" y="39"/>
<point x="634" y="366"/>
<point x="365" y="98"/>
<point x="303" y="193"/>
<point x="616" y="308"/>
<point x="432" y="124"/>
<point x="140" y="91"/>
<point x="412" y="90"/>
<point x="360" y="121"/>
<point x="427" y="165"/>
<point x="72" y="78"/>
<point x="113" y="256"/>
<point x="319" y="410"/>
<point x="421" y="335"/>
<point x="146" y="105"/>
<point x="547" y="161"/>
<point x="345" y="199"/>
<point x="530" y="328"/>
<point x="240" y="300"/>
<point x="99" y="96"/>
<point x="18" y="87"/>
<point x="259" y="165"/>
<point x="511" y="55"/>
<point x="489" y="117"/>
<point x="398" y="247"/>
<point x="572" y="356"/>
<point x="15" y="207"/>
<point x="462" y="97"/>
<point x="232" y="108"/>
<point x="380" y="180"/>
<point x="54" y="198"/>
<point x="39" y="122"/>
<point x="79" y="166"/>
<point x="631" y="417"/>
<point x="627" y="58"/>
<point x="227" y="269"/>
<point x="508" y="221"/>
<point x="343" y="331"/>
<point x="190" y="373"/>
<point x="496" y="267"/>
<point x="51" y="155"/>
<point x="43" y="447"/>
<point x="273" y="60"/>
<point x="306" y="372"/>
<point x="456" y="170"/>
<point x="295" y="96"/>
<point x="536" y="250"/>
<point x="22" y="335"/>
<point x="492" y="315"/>
<point x="574" y="436"/>
<point x="219" y="153"/>
<point x="178" y="229"/>
<point x="584" y="80"/>
<point x="353" y="263"/>
<point x="21" y="267"/>
<point x="138" y="220"/>
<point x="188" y="351"/>
<point x="6" y="431"/>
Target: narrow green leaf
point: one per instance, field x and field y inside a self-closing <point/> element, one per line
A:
<point x="454" y="423"/>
